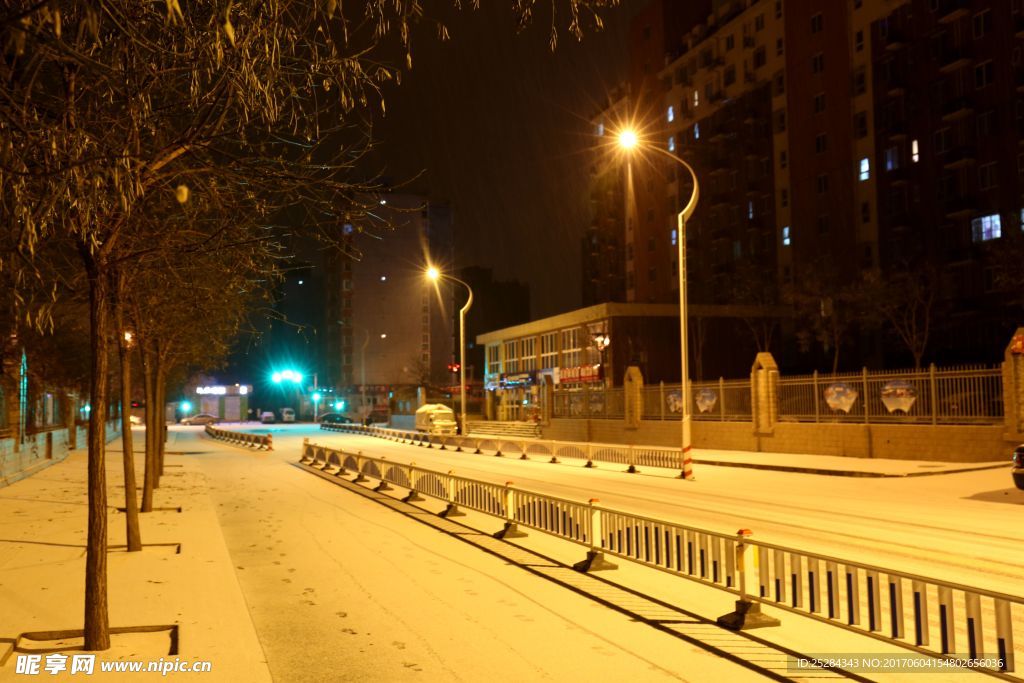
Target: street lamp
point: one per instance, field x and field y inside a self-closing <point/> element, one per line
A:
<point x="433" y="274"/>
<point x="628" y="140"/>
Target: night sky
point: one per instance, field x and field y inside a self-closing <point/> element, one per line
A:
<point x="499" y="126"/>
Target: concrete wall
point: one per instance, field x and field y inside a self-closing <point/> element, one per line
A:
<point x="42" y="449"/>
<point x="949" y="443"/>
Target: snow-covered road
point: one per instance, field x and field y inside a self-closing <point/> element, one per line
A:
<point x="962" y="527"/>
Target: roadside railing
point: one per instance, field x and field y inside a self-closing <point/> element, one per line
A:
<point x="955" y="395"/>
<point x="930" y="616"/>
<point x="968" y="395"/>
<point x="621" y="454"/>
<point x="258" y="441"/>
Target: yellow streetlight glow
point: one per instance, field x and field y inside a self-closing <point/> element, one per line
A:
<point x="627" y="139"/>
<point x="433" y="273"/>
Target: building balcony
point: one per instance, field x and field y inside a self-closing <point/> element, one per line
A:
<point x="959" y="207"/>
<point x="897" y="176"/>
<point x="954" y="58"/>
<point x="952" y="10"/>
<point x="1018" y="25"/>
<point x="957" y="108"/>
<point x="896" y="130"/>
<point x="959" y="157"/>
<point x="895" y="39"/>
<point x="896" y="86"/>
<point x="900" y="219"/>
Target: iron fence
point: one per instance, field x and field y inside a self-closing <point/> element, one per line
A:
<point x="958" y="395"/>
<point x="955" y="395"/>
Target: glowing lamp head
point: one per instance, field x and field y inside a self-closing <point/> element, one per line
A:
<point x="433" y="274"/>
<point x="628" y="139"/>
<point x="316" y="397"/>
<point x="276" y="377"/>
<point x="185" y="406"/>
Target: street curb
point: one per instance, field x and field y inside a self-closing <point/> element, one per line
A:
<point x="843" y="473"/>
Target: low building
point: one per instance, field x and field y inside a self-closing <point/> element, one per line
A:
<point x="590" y="346"/>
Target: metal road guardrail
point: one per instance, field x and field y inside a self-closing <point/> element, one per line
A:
<point x="622" y="454"/>
<point x="937" y="618"/>
<point x="260" y="441"/>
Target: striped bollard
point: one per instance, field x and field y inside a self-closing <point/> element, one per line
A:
<point x="747" y="614"/>
<point x="632" y="460"/>
<point x="590" y="455"/>
<point x="522" y="449"/>
<point x="511" y="529"/>
<point x="270" y="442"/>
<point x="595" y="561"/>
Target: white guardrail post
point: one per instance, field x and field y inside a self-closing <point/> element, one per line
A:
<point x="359" y="469"/>
<point x="414" y="496"/>
<point x="595" y="561"/>
<point x="511" y="529"/>
<point x="383" y="485"/>
<point x="748" y="613"/>
<point x="453" y="509"/>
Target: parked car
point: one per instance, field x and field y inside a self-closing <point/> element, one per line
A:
<point x="200" y="419"/>
<point x="1018" y="466"/>
<point x="267" y="417"/>
<point x="334" y="419"/>
<point x="287" y="415"/>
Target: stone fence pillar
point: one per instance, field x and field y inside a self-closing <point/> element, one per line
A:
<point x="633" y="395"/>
<point x="764" y="394"/>
<point x="1013" y="387"/>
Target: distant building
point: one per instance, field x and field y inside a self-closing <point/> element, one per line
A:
<point x="496" y="304"/>
<point x="391" y="328"/>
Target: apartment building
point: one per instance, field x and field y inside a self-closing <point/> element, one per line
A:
<point x="836" y="142"/>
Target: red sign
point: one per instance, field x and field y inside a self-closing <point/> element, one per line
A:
<point x="583" y="373"/>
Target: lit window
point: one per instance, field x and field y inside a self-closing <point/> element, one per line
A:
<point x="300" y="282"/>
<point x="671" y="143"/>
<point x="675" y="233"/>
<point x="696" y="98"/>
<point x="600" y="129"/>
<point x="915" y="154"/>
<point x="696" y="131"/>
<point x="865" y="169"/>
<point x="785" y="236"/>
<point x="383" y="278"/>
<point x="986" y="228"/>
<point x="750" y="210"/>
<point x="1022" y="219"/>
<point x="671" y="113"/>
<point x="347" y="228"/>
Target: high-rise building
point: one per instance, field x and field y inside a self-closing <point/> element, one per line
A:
<point x="392" y="327"/>
<point x="836" y="143"/>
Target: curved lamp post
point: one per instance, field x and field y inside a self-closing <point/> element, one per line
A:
<point x="433" y="274"/>
<point x="628" y="141"/>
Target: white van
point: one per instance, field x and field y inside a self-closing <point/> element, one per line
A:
<point x="287" y="415"/>
<point x="436" y="418"/>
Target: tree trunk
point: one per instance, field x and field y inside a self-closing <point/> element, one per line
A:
<point x="161" y="396"/>
<point x="131" y="501"/>
<point x="97" y="634"/>
<point x="149" y="476"/>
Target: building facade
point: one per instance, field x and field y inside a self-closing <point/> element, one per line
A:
<point x="591" y="346"/>
<point x="837" y="144"/>
<point x="389" y="328"/>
